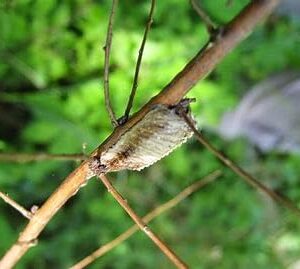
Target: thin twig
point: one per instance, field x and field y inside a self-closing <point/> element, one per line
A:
<point x="150" y="216"/>
<point x="202" y="64"/>
<point x="106" y="64"/>
<point x="27" y="214"/>
<point x="139" y="61"/>
<point x="239" y="171"/>
<point x="141" y="224"/>
<point x="210" y="26"/>
<point x="29" y="157"/>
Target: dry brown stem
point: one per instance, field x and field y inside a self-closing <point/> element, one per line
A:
<point x="27" y="214"/>
<point x="150" y="216"/>
<point x="202" y="64"/>
<point x="142" y="225"/>
<point x="28" y="236"/>
<point x="107" y="47"/>
<point x="241" y="172"/>
<point x="139" y="61"/>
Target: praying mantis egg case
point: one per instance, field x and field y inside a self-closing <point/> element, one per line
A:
<point x="152" y="138"/>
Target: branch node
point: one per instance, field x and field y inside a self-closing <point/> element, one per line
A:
<point x="96" y="167"/>
<point x="184" y="105"/>
<point x="217" y="33"/>
<point x="34" y="209"/>
<point x="122" y="120"/>
<point x="29" y="243"/>
<point x="146" y="229"/>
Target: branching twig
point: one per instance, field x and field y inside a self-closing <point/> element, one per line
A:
<point x="210" y="26"/>
<point x="239" y="171"/>
<point x="196" y="69"/>
<point x="27" y="214"/>
<point x="29" y="157"/>
<point x="141" y="224"/>
<point x="106" y="65"/>
<point x="139" y="61"/>
<point x="28" y="237"/>
<point x="150" y="216"/>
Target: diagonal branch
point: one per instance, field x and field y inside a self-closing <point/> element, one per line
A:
<point x="149" y="217"/>
<point x="201" y="65"/>
<point x="106" y="64"/>
<point x="141" y="224"/>
<point x="239" y="171"/>
<point x="139" y="61"/>
<point x="196" y="69"/>
<point x="27" y="214"/>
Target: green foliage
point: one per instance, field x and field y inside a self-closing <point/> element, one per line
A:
<point x="51" y="70"/>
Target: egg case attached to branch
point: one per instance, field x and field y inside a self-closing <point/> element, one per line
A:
<point x="152" y="138"/>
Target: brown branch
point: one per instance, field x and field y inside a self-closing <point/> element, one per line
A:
<point x="196" y="69"/>
<point x="242" y="173"/>
<point x="27" y="214"/>
<point x="28" y="236"/>
<point x="149" y="217"/>
<point x="141" y="224"/>
<point x="139" y="61"/>
<point x="29" y="157"/>
<point x="106" y="65"/>
<point x="202" y="64"/>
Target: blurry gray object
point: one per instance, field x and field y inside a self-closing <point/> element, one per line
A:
<point x="289" y="8"/>
<point x="269" y="115"/>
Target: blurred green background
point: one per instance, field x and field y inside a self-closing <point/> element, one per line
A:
<point x="51" y="100"/>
